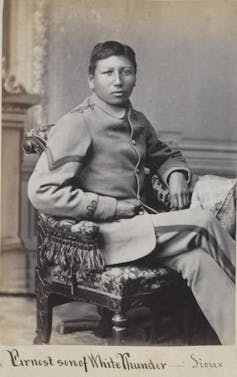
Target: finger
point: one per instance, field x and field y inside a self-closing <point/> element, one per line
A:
<point x="138" y="203"/>
<point x="180" y="201"/>
<point x="174" y="202"/>
<point x="138" y="208"/>
<point x="189" y="197"/>
<point x="129" y="214"/>
<point x="186" y="200"/>
<point x="134" y="203"/>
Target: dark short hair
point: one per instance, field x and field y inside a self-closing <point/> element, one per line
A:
<point x="106" y="49"/>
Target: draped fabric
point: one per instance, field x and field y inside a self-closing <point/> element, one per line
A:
<point x="217" y="194"/>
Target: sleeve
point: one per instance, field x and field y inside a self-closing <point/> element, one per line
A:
<point x="161" y="159"/>
<point x="51" y="189"/>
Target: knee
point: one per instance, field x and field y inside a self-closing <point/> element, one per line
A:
<point x="194" y="265"/>
<point x="208" y="217"/>
<point x="204" y="217"/>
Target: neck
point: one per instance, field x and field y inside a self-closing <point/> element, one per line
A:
<point x="120" y="110"/>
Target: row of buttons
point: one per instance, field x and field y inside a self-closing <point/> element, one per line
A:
<point x="134" y="143"/>
<point x="137" y="172"/>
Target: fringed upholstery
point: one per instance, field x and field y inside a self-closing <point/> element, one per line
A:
<point x="71" y="246"/>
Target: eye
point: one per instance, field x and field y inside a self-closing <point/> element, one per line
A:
<point x="108" y="72"/>
<point x="127" y="72"/>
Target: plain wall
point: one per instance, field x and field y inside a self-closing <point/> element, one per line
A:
<point x="186" y="54"/>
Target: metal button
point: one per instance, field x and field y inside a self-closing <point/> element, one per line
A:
<point x="133" y="142"/>
<point x="137" y="171"/>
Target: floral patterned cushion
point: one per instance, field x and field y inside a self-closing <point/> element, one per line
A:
<point x="218" y="195"/>
<point x="125" y="280"/>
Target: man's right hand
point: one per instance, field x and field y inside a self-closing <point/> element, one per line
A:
<point x="127" y="208"/>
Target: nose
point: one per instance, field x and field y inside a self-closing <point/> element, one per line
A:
<point x="117" y="79"/>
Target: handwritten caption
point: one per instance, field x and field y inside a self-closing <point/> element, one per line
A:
<point x="120" y="360"/>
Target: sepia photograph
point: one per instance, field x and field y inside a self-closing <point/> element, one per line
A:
<point x="118" y="179"/>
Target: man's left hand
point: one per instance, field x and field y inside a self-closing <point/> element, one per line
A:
<point x="179" y="191"/>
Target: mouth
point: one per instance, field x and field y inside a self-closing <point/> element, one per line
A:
<point x="119" y="93"/>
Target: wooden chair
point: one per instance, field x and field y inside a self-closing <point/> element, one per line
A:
<point x="114" y="290"/>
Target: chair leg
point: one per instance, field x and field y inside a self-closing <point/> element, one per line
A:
<point x="43" y="313"/>
<point x="104" y="329"/>
<point x="119" y="329"/>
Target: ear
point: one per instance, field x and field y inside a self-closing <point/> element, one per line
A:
<point x="91" y="81"/>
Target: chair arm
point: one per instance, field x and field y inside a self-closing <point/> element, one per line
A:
<point x="160" y="191"/>
<point x="35" y="140"/>
<point x="72" y="245"/>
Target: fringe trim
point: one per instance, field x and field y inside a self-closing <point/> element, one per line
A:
<point x="73" y="254"/>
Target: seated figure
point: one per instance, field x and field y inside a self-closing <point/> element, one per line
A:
<point x="94" y="169"/>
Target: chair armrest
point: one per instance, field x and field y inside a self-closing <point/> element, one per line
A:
<point x="35" y="140"/>
<point x="160" y="191"/>
<point x="72" y="245"/>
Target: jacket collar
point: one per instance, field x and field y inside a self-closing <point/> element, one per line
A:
<point x="114" y="111"/>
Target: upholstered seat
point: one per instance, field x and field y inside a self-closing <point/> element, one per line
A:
<point x="122" y="281"/>
<point x="128" y="280"/>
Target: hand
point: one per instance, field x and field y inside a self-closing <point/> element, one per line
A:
<point x="179" y="191"/>
<point x="127" y="208"/>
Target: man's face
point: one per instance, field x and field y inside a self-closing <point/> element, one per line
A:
<point x="113" y="80"/>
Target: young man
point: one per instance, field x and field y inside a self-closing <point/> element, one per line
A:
<point x="93" y="168"/>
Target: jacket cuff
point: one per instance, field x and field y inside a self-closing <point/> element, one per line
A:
<point x="106" y="207"/>
<point x="166" y="174"/>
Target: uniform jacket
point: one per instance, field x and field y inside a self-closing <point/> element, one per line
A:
<point x="95" y="155"/>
